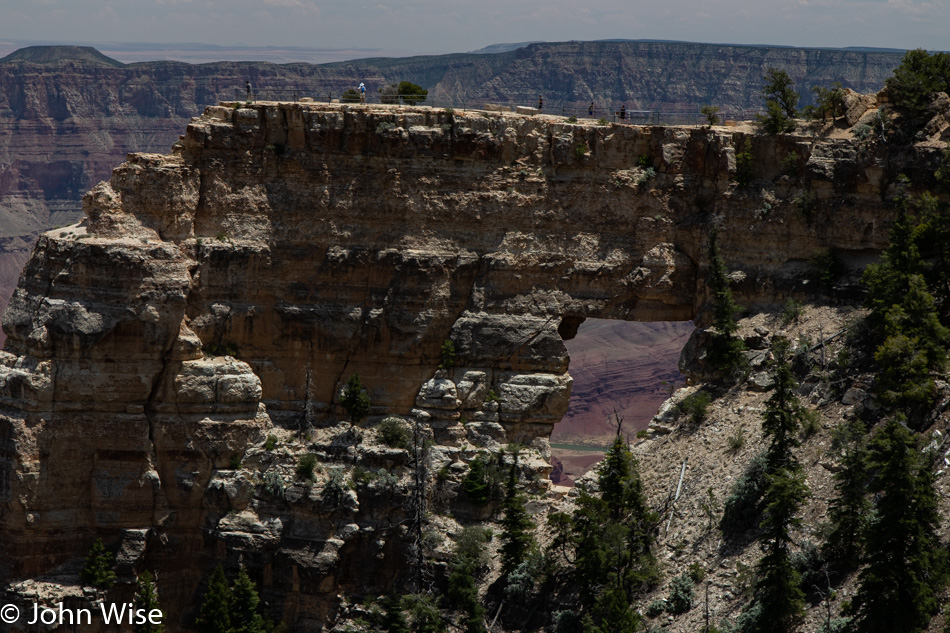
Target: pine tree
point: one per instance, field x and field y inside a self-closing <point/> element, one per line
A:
<point x="468" y="561"/>
<point x="612" y="540"/>
<point x="393" y="619"/>
<point x="848" y="510"/>
<point x="146" y="599"/>
<point x="517" y="526"/>
<point x="778" y="597"/>
<point x="216" y="609"/>
<point x="245" y="605"/>
<point x="355" y="399"/>
<point x="903" y="569"/>
<point x="725" y="347"/>
<point x="98" y="571"/>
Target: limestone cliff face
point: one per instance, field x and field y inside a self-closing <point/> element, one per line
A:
<point x="312" y="242"/>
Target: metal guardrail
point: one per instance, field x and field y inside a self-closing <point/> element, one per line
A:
<point x="610" y="113"/>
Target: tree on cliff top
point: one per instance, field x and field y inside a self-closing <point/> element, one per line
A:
<point x="781" y="102"/>
<point x="918" y="77"/>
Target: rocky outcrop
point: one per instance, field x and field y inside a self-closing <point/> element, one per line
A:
<point x="225" y="293"/>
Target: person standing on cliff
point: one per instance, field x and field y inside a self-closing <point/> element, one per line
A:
<point x="590" y="109"/>
<point x="362" y="92"/>
<point x="247" y="86"/>
<point x="540" y="103"/>
<point x="623" y="111"/>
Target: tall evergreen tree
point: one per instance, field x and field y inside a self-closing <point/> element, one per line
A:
<point x="611" y="539"/>
<point x="725" y="347"/>
<point x="903" y="568"/>
<point x="517" y="526"/>
<point x="245" y="605"/>
<point x="778" y="599"/>
<point x="393" y="619"/>
<point x="848" y="510"/>
<point x="216" y="609"/>
<point x="146" y="599"/>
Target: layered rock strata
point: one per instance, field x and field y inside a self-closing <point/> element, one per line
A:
<point x="226" y="292"/>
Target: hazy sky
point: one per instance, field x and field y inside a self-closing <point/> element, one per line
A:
<point x="439" y="26"/>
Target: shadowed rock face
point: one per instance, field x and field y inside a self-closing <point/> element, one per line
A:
<point x="314" y="242"/>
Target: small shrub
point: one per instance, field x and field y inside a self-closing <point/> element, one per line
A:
<point x="737" y="440"/>
<point x="271" y="443"/>
<point x="811" y="422"/>
<point x="221" y="236"/>
<point x="836" y="625"/>
<point x="644" y="161"/>
<point x="385" y="126"/>
<point x="711" y="113"/>
<point x="235" y="462"/>
<point x="862" y="132"/>
<point x="602" y="121"/>
<point x="448" y="354"/>
<point x="680" y="599"/>
<point x="792" y="312"/>
<point x="394" y="433"/>
<point x="942" y="174"/>
<point x="655" y="608"/>
<point x="643" y="433"/>
<point x="697" y="573"/>
<point x="306" y="466"/>
<point x="335" y="489"/>
<point x="274" y="484"/>
<point x="790" y="164"/>
<point x="492" y="396"/>
<point x="825" y="268"/>
<point x="97" y="571"/>
<point x="805" y="205"/>
<point x="694" y="406"/>
<point x="745" y="166"/>
<point x="449" y="111"/>
<point x="350" y="95"/>
<point x="355" y="400"/>
<point x="572" y="119"/>
<point x="581" y="150"/>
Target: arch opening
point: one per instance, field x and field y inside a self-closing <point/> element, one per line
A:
<point x="627" y="367"/>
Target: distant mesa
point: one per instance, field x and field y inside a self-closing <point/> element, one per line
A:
<point x="55" y="54"/>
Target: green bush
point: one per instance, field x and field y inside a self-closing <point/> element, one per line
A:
<point x="602" y="122"/>
<point x="781" y="102"/>
<point x="306" y="466"/>
<point x="644" y="161"/>
<point x="737" y="440"/>
<point x="581" y="150"/>
<point x="694" y="406"/>
<point x="271" y="443"/>
<point x="476" y="484"/>
<point x="350" y="96"/>
<point x="745" y="165"/>
<point x="711" y="113"/>
<point x="97" y="570"/>
<point x="791" y="312"/>
<point x="235" y="462"/>
<point x="572" y="119"/>
<point x="394" y="433"/>
<point x="448" y="354"/>
<point x="680" y="599"/>
<point x="655" y="608"/>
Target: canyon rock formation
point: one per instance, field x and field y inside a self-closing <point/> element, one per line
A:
<point x="227" y="291"/>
